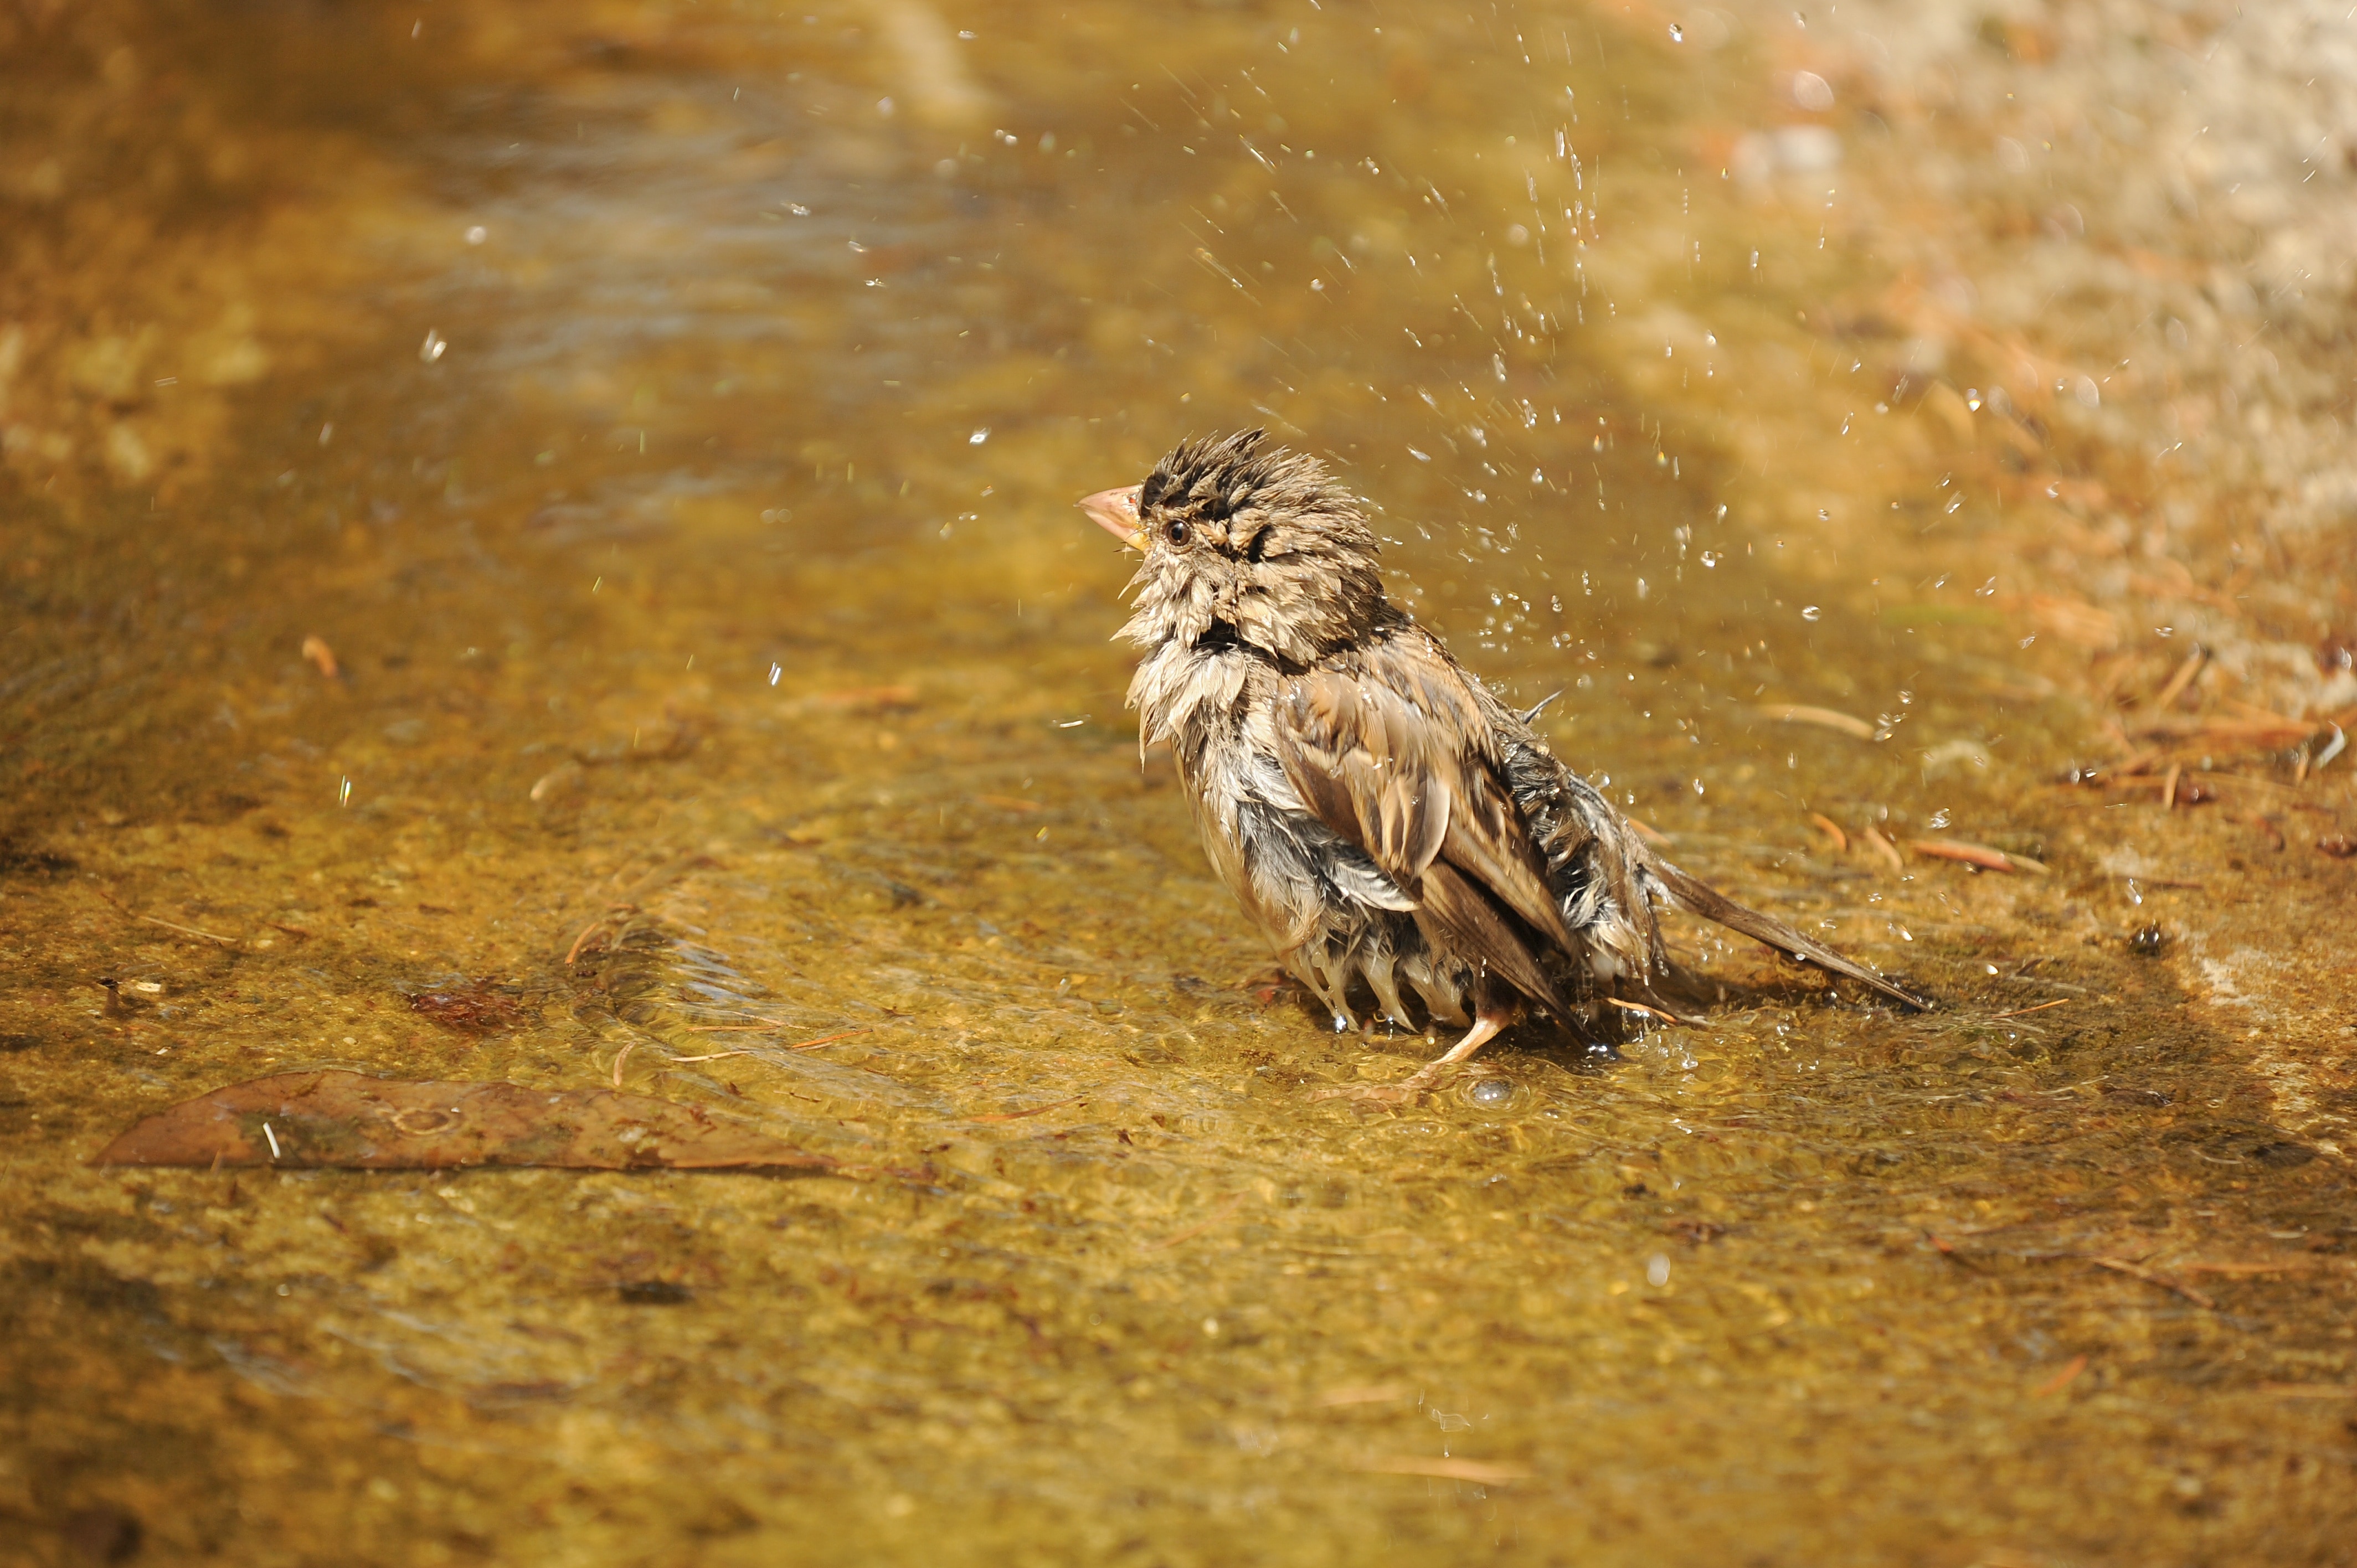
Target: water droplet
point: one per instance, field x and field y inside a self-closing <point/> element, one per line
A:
<point x="1677" y="34"/>
<point x="979" y="437"/>
<point x="1491" y="1091"/>
<point x="1812" y="613"/>
<point x="1657" y="1270"/>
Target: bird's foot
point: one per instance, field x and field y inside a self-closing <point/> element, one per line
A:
<point x="1485" y="1029"/>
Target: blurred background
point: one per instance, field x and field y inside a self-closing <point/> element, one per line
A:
<point x="566" y="509"/>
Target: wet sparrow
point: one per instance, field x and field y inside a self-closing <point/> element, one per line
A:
<point x="1379" y="813"/>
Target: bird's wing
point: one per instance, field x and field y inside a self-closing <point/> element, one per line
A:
<point x="1391" y="750"/>
<point x="1699" y="897"/>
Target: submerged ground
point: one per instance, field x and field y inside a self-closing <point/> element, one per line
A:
<point x="536" y="544"/>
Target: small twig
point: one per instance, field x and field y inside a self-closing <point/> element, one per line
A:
<point x="582" y="940"/>
<point x="2041" y="1007"/>
<point x="1823" y="718"/>
<point x="2182" y="677"/>
<point x="1666" y="1016"/>
<point x="1976" y="854"/>
<point x="2273" y="728"/>
<point x="2061" y="1379"/>
<point x="591" y="929"/>
<point x="619" y="1058"/>
<point x="2168" y="787"/>
<point x="1479" y="1472"/>
<point x="189" y="931"/>
<point x="1019" y="1115"/>
<point x="1883" y="847"/>
<point x="1832" y="829"/>
<point x="828" y="1039"/>
<point x="713" y="1057"/>
<point x="767" y="1029"/>
<point x="1227" y="1210"/>
<point x="2137" y="1271"/>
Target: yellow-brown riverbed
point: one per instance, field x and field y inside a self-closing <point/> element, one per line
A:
<point x="569" y="509"/>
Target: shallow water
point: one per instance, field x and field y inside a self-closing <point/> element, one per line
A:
<point x="667" y="422"/>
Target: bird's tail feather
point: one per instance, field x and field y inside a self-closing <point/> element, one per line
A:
<point x="1699" y="897"/>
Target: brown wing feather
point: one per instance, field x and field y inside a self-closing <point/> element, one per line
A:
<point x="1392" y="751"/>
<point x="1457" y="917"/>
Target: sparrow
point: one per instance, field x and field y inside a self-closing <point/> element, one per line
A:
<point x="1383" y="818"/>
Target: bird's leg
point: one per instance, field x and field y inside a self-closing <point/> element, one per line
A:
<point x="1487" y="1023"/>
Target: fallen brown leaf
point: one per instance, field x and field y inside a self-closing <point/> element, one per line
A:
<point x="479" y="1008"/>
<point x="348" y="1119"/>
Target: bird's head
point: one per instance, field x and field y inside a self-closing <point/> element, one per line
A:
<point x="1245" y="544"/>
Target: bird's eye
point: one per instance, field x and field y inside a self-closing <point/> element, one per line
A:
<point x="1175" y="531"/>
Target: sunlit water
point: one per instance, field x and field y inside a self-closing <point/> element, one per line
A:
<point x="674" y="447"/>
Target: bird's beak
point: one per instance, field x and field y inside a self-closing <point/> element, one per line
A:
<point x="1116" y="511"/>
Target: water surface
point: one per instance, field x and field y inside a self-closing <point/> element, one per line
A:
<point x="666" y="423"/>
